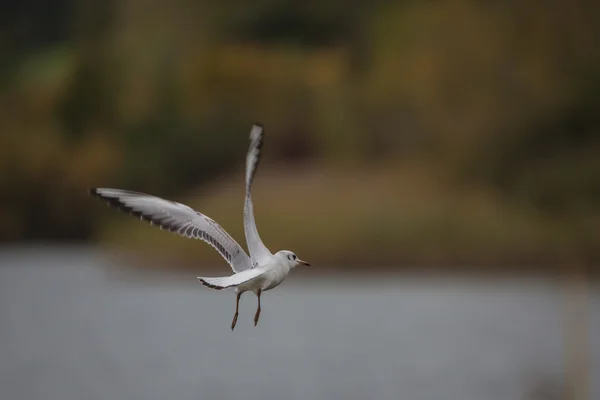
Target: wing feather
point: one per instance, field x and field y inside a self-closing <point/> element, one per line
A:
<point x="258" y="251"/>
<point x="177" y="218"/>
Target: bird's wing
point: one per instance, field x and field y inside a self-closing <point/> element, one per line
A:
<point x="178" y="218"/>
<point x="258" y="251"/>
<point x="223" y="282"/>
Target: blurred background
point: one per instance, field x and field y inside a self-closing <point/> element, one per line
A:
<point x="437" y="162"/>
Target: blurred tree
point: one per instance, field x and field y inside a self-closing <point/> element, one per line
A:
<point x="500" y="98"/>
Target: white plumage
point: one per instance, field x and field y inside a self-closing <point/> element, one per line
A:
<point x="180" y="219"/>
<point x="258" y="251"/>
<point x="260" y="272"/>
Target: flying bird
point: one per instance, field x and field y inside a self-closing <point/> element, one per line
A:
<point x="259" y="272"/>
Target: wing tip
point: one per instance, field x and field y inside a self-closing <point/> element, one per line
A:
<point x="114" y="201"/>
<point x="256" y="132"/>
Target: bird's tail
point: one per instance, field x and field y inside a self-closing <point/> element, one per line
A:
<point x="217" y="283"/>
<point x="223" y="282"/>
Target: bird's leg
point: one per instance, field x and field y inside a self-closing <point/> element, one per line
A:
<point x="258" y="309"/>
<point x="237" y="306"/>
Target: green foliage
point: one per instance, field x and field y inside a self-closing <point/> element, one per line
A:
<point x="503" y="97"/>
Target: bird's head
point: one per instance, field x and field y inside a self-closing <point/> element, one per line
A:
<point x="290" y="258"/>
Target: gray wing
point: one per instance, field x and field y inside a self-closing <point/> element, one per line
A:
<point x="178" y="218"/>
<point x="258" y="251"/>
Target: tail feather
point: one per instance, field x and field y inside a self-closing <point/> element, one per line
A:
<point x="223" y="282"/>
<point x="216" y="283"/>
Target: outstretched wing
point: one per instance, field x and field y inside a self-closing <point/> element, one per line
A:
<point x="258" y="251"/>
<point x="178" y="218"/>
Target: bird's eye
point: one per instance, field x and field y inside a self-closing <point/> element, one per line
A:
<point x="294" y="256"/>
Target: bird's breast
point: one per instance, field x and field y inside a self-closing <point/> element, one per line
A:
<point x="275" y="276"/>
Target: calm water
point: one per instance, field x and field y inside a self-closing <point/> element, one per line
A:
<point x="71" y="329"/>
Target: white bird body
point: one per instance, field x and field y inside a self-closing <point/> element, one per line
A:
<point x="264" y="277"/>
<point x="261" y="271"/>
<point x="271" y="276"/>
<point x="275" y="274"/>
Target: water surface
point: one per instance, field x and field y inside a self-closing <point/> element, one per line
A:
<point x="71" y="329"/>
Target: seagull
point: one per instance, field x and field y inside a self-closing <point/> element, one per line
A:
<point x="261" y="271"/>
